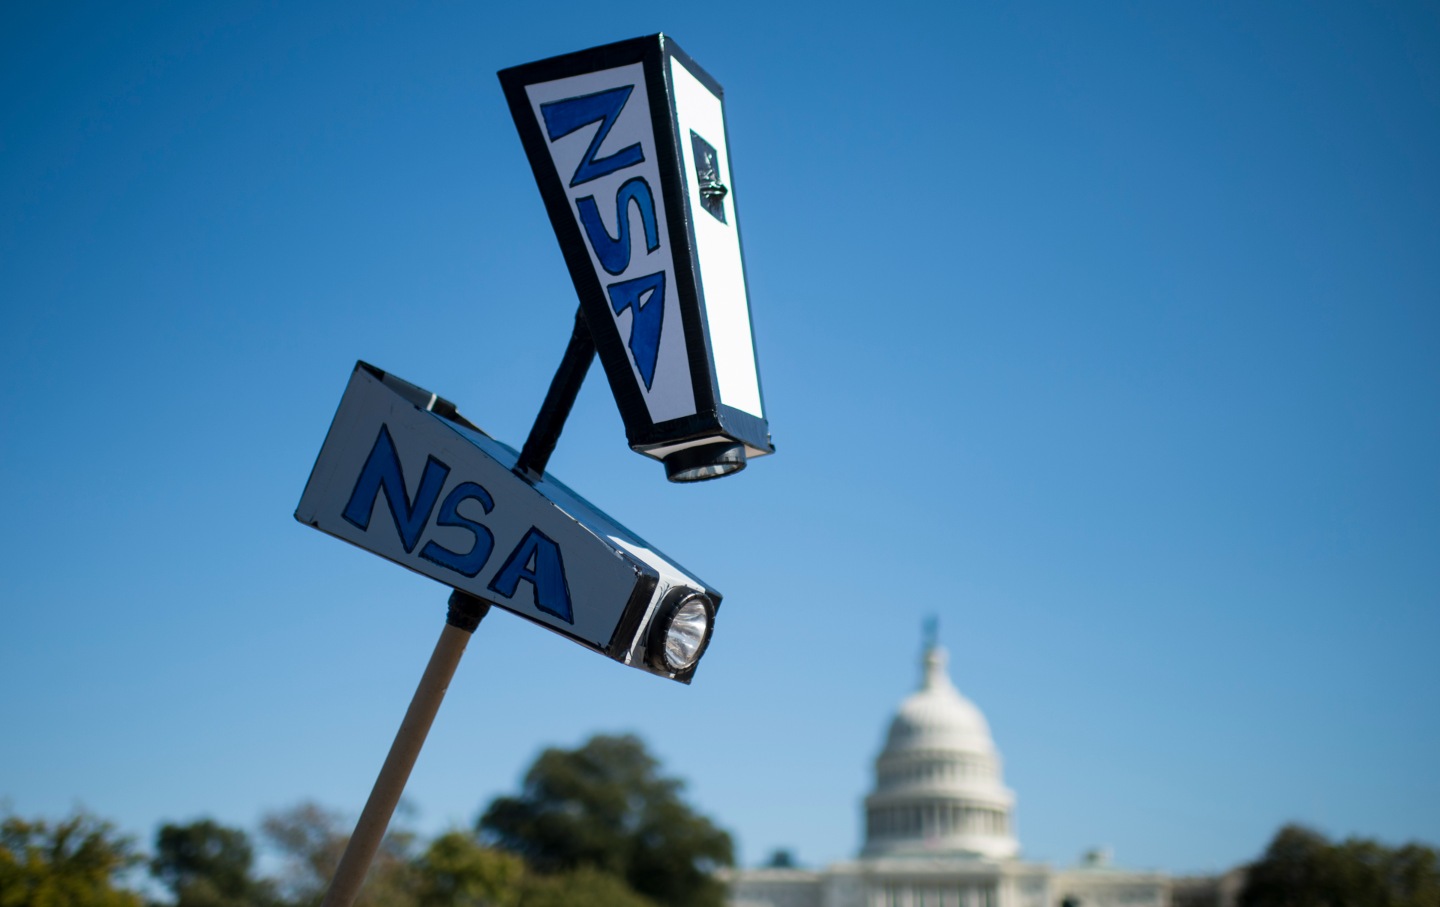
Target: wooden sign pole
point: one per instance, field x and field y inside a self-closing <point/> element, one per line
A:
<point x="465" y="615"/>
<point x="466" y="612"/>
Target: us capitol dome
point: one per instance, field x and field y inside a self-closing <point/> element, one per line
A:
<point x="938" y="786"/>
<point x="940" y="827"/>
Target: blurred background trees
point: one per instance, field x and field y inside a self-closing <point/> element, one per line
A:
<point x="310" y="840"/>
<point x="205" y="864"/>
<point x="600" y="825"/>
<point x="1301" y="868"/>
<point x="76" y="862"/>
<point x="606" y="806"/>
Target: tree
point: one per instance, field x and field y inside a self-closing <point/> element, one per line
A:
<point x="455" y="871"/>
<point x="75" y="862"/>
<point x="205" y="864"/>
<point x="606" y="807"/>
<point x="585" y="885"/>
<point x="1301" y="868"/>
<point x="312" y="841"/>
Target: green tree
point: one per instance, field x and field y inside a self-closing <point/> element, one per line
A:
<point x="606" y="807"/>
<point x="585" y="885"/>
<point x="1301" y="868"/>
<point x="206" y="864"/>
<point x="75" y="862"/>
<point x="456" y="871"/>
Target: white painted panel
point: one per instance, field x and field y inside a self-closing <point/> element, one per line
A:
<point x="599" y="579"/>
<point x="722" y="273"/>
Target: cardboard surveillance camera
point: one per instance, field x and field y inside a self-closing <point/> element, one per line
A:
<point x="405" y="476"/>
<point x="628" y="146"/>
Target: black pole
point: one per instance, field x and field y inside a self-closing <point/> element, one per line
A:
<point x="564" y="387"/>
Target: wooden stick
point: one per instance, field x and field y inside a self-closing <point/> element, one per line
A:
<point x="465" y="614"/>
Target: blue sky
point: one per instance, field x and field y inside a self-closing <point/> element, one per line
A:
<point x="1107" y="333"/>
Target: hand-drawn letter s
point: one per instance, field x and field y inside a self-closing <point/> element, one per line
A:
<point x="614" y="253"/>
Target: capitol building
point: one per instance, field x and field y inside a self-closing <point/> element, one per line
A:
<point x="940" y="829"/>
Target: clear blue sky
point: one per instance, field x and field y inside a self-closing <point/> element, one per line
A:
<point x="1108" y="333"/>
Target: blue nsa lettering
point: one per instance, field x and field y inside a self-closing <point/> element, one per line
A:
<point x="614" y="252"/>
<point x="644" y="295"/>
<point x="536" y="559"/>
<point x="564" y="117"/>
